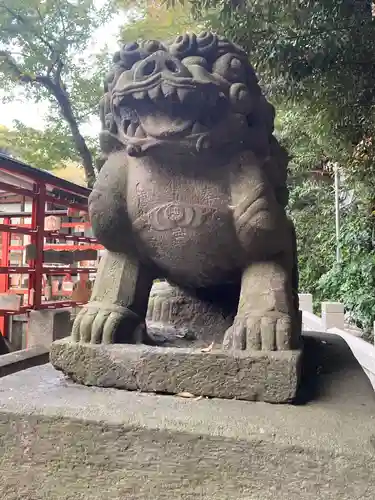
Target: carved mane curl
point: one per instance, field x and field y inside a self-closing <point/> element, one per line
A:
<point x="229" y="65"/>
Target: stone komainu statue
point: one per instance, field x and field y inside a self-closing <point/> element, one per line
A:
<point x="192" y="189"/>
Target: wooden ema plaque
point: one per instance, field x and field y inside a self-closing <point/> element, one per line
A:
<point x="52" y="223"/>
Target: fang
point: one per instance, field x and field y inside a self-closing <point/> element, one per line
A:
<point x="140" y="95"/>
<point x="131" y="129"/>
<point x="183" y="94"/>
<point x="167" y="90"/>
<point x="140" y="133"/>
<point x="155" y="93"/>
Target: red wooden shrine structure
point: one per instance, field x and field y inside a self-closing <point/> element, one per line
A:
<point x="43" y="220"/>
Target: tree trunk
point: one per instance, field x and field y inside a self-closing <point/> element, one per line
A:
<point x="83" y="151"/>
<point x="79" y="141"/>
<point x="63" y="100"/>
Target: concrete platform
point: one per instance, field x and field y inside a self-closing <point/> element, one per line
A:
<point x="253" y="376"/>
<point x="21" y="360"/>
<point x="62" y="441"/>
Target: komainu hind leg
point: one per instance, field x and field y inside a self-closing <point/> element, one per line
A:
<point x="118" y="306"/>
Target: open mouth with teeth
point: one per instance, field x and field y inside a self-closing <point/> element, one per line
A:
<point x="169" y="111"/>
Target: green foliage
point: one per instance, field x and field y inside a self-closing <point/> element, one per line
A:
<point x="360" y="170"/>
<point x="312" y="210"/>
<point x="44" y="47"/>
<point x="307" y="134"/>
<point x="352" y="281"/>
<point x="47" y="149"/>
<point x="319" y="51"/>
<point x="311" y="206"/>
<point x="311" y="202"/>
<point x="316" y="62"/>
<point x="46" y="37"/>
<point x="149" y="20"/>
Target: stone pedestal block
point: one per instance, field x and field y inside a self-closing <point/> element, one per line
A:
<point x="254" y="376"/>
<point x="48" y="325"/>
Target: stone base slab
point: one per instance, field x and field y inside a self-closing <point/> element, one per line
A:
<point x="64" y="441"/>
<point x="21" y="360"/>
<point x="253" y="376"/>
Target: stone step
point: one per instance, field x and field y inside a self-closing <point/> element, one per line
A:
<point x="63" y="441"/>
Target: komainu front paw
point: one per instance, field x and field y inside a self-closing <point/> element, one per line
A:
<point x="273" y="331"/>
<point x="98" y="323"/>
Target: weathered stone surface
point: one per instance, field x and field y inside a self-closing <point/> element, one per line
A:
<point x="10" y="301"/>
<point x="200" y="321"/>
<point x="63" y="459"/>
<point x="21" y="360"/>
<point x="45" y="326"/>
<point x="193" y="189"/>
<point x="64" y="441"/>
<point x="253" y="376"/>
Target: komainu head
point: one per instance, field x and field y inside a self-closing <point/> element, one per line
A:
<point x="194" y="92"/>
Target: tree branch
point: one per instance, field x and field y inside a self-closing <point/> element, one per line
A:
<point x="26" y="23"/>
<point x="40" y="14"/>
<point x="64" y="103"/>
<point x="44" y="80"/>
<point x="61" y="17"/>
<point x="8" y="59"/>
<point x="60" y="66"/>
<point x="55" y="54"/>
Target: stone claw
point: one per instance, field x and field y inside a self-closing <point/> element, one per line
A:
<point x="97" y="323"/>
<point x="273" y="331"/>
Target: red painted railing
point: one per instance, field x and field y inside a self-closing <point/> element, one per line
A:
<point x="40" y="189"/>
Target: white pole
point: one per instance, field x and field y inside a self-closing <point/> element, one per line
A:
<point x="337" y="212"/>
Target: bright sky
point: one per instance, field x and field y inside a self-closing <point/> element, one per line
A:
<point x="32" y="114"/>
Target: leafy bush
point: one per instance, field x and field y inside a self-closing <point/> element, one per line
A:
<point x="312" y="210"/>
<point x="352" y="281"/>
